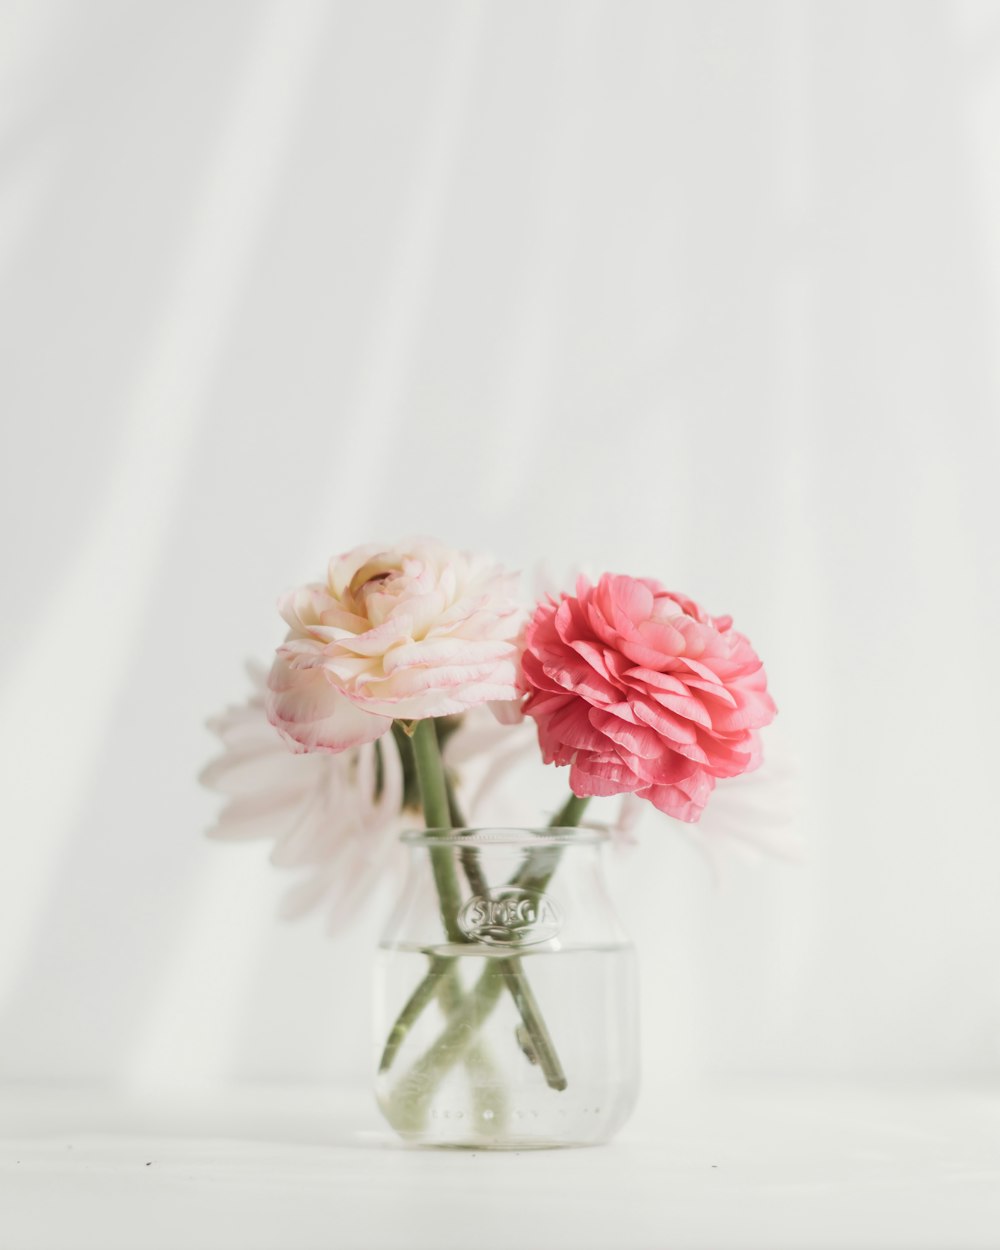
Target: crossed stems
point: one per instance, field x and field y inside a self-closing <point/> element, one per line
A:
<point x="441" y="812"/>
<point x="535" y="874"/>
<point x="459" y="1041"/>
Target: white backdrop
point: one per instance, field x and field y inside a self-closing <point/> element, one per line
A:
<point x="701" y="291"/>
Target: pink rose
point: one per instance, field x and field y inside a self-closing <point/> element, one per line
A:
<point x="400" y="633"/>
<point x="639" y="690"/>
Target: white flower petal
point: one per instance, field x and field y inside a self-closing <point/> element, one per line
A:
<point x="311" y="714"/>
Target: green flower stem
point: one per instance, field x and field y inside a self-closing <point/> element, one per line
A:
<point x="434" y="796"/>
<point x="430" y="774"/>
<point x="571" y="812"/>
<point x="408" y="1108"/>
<point x="541" y="1042"/>
<point x="408" y="1104"/>
<point x="520" y="990"/>
<point x="458" y="820"/>
<point x="513" y="972"/>
<point x="489" y="1094"/>
<point x="413" y="1007"/>
<point x="534" y="874"/>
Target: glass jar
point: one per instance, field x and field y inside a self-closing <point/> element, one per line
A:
<point x="506" y="1004"/>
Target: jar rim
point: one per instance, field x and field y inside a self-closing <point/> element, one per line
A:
<point x="583" y="835"/>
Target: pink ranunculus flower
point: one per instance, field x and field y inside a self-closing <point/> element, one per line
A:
<point x="397" y="633"/>
<point x="641" y="691"/>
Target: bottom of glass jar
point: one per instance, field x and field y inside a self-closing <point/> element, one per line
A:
<point x="541" y="1120"/>
<point x="515" y="1146"/>
<point x="546" y="1063"/>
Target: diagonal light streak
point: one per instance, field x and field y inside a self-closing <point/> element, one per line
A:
<point x="110" y="582"/>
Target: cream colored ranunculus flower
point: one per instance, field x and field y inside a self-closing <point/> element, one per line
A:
<point x="398" y="633"/>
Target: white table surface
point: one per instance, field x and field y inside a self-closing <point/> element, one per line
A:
<point x="284" y="1169"/>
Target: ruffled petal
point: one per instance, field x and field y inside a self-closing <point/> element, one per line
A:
<point x="640" y="690"/>
<point x="311" y="714"/>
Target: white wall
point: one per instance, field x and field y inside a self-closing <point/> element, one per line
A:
<point x="702" y="291"/>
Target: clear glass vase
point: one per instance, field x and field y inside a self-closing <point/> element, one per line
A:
<point x="506" y="1005"/>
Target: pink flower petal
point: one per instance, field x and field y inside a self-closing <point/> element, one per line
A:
<point x="641" y="691"/>
<point x="313" y="715"/>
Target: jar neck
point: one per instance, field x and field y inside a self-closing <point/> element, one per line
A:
<point x="502" y="890"/>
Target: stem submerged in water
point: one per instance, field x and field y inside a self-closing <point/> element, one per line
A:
<point x="534" y="874"/>
<point x="517" y="982"/>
